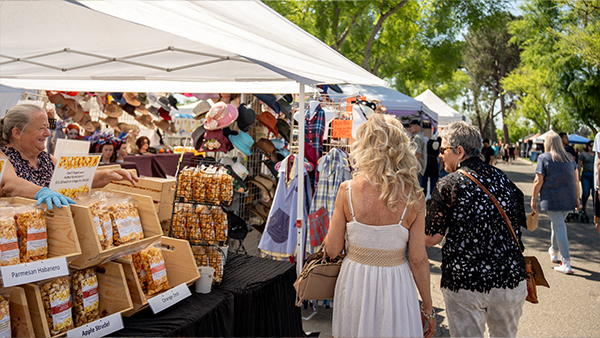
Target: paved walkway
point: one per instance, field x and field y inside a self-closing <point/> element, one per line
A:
<point x="570" y="308"/>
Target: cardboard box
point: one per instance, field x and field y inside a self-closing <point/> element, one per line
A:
<point x="161" y="190"/>
<point x="92" y="252"/>
<point x="62" y="235"/>
<point x="179" y="263"/>
<point x="113" y="295"/>
<point x="20" y="319"/>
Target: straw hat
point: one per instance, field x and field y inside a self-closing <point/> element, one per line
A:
<point x="131" y="98"/>
<point x="162" y="124"/>
<point x="113" y="110"/>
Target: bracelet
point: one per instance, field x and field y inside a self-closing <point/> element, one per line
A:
<point x="428" y="317"/>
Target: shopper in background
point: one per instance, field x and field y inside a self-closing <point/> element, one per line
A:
<point x="414" y="127"/>
<point x="23" y="133"/>
<point x="555" y="182"/>
<point x="483" y="272"/>
<point x="586" y="167"/>
<point x="382" y="209"/>
<point x="432" y="170"/>
<point x="568" y="148"/>
<point x="487" y="151"/>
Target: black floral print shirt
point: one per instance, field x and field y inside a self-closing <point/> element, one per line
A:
<point x="40" y="176"/>
<point x="479" y="253"/>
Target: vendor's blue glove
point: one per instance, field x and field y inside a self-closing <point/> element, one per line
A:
<point x="51" y="197"/>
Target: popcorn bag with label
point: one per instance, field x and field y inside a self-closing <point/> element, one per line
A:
<point x="56" y="297"/>
<point x="84" y="285"/>
<point x="31" y="230"/>
<point x="126" y="224"/>
<point x="5" y="331"/>
<point x="99" y="209"/>
<point x="153" y="263"/>
<point x="9" y="242"/>
<point x="136" y="259"/>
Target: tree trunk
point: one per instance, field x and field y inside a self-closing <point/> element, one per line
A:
<point x="376" y="30"/>
<point x="504" y="126"/>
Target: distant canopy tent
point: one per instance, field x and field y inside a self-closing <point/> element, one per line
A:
<point x="446" y="114"/>
<point x="394" y="101"/>
<point x="540" y="139"/>
<point x="577" y="139"/>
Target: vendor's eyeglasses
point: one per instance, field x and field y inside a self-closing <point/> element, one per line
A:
<point x="443" y="149"/>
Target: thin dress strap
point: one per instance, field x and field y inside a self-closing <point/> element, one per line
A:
<point x="405" y="207"/>
<point x="349" y="190"/>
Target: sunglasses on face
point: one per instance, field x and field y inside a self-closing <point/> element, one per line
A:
<point x="443" y="149"/>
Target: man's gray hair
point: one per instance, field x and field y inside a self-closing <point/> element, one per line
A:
<point x="463" y="134"/>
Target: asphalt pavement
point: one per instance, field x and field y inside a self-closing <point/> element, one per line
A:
<point x="569" y="308"/>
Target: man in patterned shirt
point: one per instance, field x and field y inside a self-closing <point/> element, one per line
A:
<point x="414" y="127"/>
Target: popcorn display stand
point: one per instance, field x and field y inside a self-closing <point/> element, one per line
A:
<point x="20" y="319"/>
<point x="93" y="254"/>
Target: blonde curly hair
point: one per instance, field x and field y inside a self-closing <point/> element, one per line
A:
<point x="384" y="155"/>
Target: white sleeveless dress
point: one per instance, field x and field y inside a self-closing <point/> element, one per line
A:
<point x="376" y="301"/>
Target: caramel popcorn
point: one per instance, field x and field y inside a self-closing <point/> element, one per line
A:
<point x="74" y="192"/>
<point x="209" y="256"/>
<point x="85" y="296"/>
<point x="9" y="243"/>
<point x="226" y="188"/>
<point x="126" y="223"/>
<point x="184" y="184"/>
<point x="57" y="305"/>
<point x="100" y="230"/>
<point x="31" y="229"/>
<point x="179" y="220"/>
<point x="154" y="265"/>
<point x="4" y="317"/>
<point x="74" y="162"/>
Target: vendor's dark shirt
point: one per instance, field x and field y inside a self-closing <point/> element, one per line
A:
<point x="40" y="176"/>
<point x="480" y="253"/>
<point x="487" y="153"/>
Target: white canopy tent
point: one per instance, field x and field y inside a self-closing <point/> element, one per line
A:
<point x="540" y="139"/>
<point x="160" y="45"/>
<point x="395" y="102"/>
<point x="446" y="114"/>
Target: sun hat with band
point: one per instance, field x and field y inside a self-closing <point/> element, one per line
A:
<point x="268" y="148"/>
<point x="242" y="142"/>
<point x="220" y="116"/>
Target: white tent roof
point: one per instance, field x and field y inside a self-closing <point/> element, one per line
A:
<point x="392" y="99"/>
<point x="540" y="139"/>
<point x="446" y="114"/>
<point x="230" y="44"/>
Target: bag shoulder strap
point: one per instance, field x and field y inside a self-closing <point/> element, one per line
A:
<point x="493" y="198"/>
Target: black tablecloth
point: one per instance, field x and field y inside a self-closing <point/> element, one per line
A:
<point x="264" y="297"/>
<point x="200" y="315"/>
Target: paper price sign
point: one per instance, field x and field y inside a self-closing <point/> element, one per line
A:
<point x="32" y="272"/>
<point x="99" y="328"/>
<point x="341" y="128"/>
<point x="73" y="175"/>
<point x="169" y="298"/>
<point x="2" y="166"/>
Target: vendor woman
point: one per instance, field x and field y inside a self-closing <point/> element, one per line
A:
<point x="29" y="169"/>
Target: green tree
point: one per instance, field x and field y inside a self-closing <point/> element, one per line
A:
<point x="488" y="57"/>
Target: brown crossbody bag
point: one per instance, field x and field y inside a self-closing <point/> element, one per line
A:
<point x="535" y="274"/>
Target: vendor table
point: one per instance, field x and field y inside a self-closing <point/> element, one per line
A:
<point x="155" y="165"/>
<point x="255" y="299"/>
<point x="143" y="162"/>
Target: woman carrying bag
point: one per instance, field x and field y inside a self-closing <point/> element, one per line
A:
<point x="382" y="209"/>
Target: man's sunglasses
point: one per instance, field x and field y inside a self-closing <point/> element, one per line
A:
<point x="443" y="149"/>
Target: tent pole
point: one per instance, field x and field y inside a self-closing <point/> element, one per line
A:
<point x="300" y="171"/>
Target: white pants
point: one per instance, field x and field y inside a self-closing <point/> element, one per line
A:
<point x="468" y="311"/>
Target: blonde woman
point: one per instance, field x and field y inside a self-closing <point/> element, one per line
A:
<point x="556" y="179"/>
<point x="381" y="209"/>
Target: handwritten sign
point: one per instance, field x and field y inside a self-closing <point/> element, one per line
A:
<point x="169" y="298"/>
<point x="99" y="328"/>
<point x="32" y="272"/>
<point x="73" y="175"/>
<point x="341" y="128"/>
<point x="2" y="166"/>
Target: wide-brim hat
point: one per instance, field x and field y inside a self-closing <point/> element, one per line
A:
<point x="163" y="102"/>
<point x="152" y="109"/>
<point x="198" y="136"/>
<point x="153" y="99"/>
<point x="215" y="141"/>
<point x="131" y="98"/>
<point x="129" y="109"/>
<point x="240" y="170"/>
<point x="172" y="101"/>
<point x="79" y="113"/>
<point x="118" y="97"/>
<point x="202" y="108"/>
<point x="242" y="142"/>
<point x="143" y="98"/>
<point x="284" y="129"/>
<point x="164" y="114"/>
<point x="86" y="123"/>
<point x="267" y="148"/>
<point x="162" y="124"/>
<point x="285" y="107"/>
<point x="145" y="120"/>
<point x="113" y="110"/>
<point x="270" y="100"/>
<point x="224" y="115"/>
<point x="269" y="121"/>
<point x="264" y="183"/>
<point x="246" y="117"/>
<point x="111" y="121"/>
